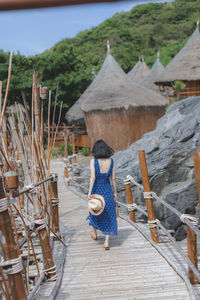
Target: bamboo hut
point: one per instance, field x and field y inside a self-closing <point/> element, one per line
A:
<point x="139" y="71"/>
<point x="153" y="75"/>
<point x="120" y="113"/>
<point x="185" y="67"/>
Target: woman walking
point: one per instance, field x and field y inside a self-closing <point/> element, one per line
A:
<point x="102" y="169"/>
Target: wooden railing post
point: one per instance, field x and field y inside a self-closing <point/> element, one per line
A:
<point x="73" y="147"/>
<point x="9" y="249"/>
<point x="49" y="266"/>
<point x="66" y="141"/>
<point x="66" y="174"/>
<point x="149" y="203"/>
<point x="197" y="173"/>
<point x="192" y="253"/>
<point x="129" y="197"/>
<point x="54" y="203"/>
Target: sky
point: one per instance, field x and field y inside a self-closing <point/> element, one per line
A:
<point x="31" y="32"/>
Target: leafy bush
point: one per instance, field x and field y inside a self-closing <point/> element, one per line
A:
<point x="85" y="151"/>
<point x="70" y="149"/>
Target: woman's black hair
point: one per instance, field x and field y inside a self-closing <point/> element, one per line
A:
<point x="102" y="150"/>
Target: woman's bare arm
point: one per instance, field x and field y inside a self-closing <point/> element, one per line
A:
<point x="114" y="183"/>
<point x="92" y="177"/>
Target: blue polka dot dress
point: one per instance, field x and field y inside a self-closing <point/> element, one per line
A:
<point x="106" y="221"/>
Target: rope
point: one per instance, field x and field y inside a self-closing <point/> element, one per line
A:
<point x="54" y="201"/>
<point x="132" y="207"/>
<point x="30" y="188"/>
<point x="147" y="195"/>
<point x="137" y="207"/>
<point x="4" y="203"/>
<point x="42" y="223"/>
<point x="49" y="271"/>
<point x="12" y="266"/>
<point x="54" y="177"/>
<point x="192" y="219"/>
<point x="153" y="223"/>
<point x="134" y="182"/>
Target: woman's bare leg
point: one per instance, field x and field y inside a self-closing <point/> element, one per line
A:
<point x="93" y="233"/>
<point x="106" y="243"/>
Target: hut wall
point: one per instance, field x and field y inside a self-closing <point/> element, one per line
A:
<point x="120" y="127"/>
<point x="192" y="88"/>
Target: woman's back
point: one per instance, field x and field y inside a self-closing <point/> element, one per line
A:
<point x="104" y="164"/>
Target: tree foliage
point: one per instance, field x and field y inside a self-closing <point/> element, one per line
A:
<point x="71" y="62"/>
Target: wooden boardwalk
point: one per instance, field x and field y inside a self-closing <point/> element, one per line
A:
<point x="132" y="269"/>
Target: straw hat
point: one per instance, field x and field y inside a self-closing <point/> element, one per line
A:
<point x="96" y="204"/>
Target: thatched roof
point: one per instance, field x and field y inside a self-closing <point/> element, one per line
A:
<point x="125" y="94"/>
<point x="138" y="72"/>
<point x="153" y="75"/>
<point x="109" y="77"/>
<point x="186" y="64"/>
<point x="134" y="71"/>
<point x="142" y="72"/>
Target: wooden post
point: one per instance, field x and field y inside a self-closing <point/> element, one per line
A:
<point x="149" y="203"/>
<point x="197" y="173"/>
<point x="54" y="203"/>
<point x="48" y="261"/>
<point x="66" y="141"/>
<point x="129" y="197"/>
<point x="66" y="175"/>
<point x="9" y="249"/>
<point x="192" y="253"/>
<point x="73" y="147"/>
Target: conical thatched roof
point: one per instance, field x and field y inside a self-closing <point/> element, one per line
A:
<point x="142" y="72"/>
<point x="110" y="76"/>
<point x="153" y="75"/>
<point x="123" y="95"/>
<point x="186" y="64"/>
<point x="135" y="69"/>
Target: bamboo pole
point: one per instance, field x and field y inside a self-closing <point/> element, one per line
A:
<point x="149" y="203"/>
<point x="54" y="203"/>
<point x="7" y="89"/>
<point x="192" y="253"/>
<point x="46" y="249"/>
<point x="5" y="141"/>
<point x="1" y="88"/>
<point x="24" y="4"/>
<point x="9" y="249"/>
<point x="129" y="197"/>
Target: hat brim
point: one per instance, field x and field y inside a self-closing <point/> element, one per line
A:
<point x="97" y="212"/>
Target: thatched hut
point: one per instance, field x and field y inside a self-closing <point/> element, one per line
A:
<point x="110" y="71"/>
<point x="139" y="71"/>
<point x="153" y="75"/>
<point x="120" y="112"/>
<point x="185" y="66"/>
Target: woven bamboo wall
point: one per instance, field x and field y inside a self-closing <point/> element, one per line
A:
<point x="120" y="127"/>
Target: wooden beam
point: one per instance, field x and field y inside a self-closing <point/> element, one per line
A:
<point x="29" y="4"/>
